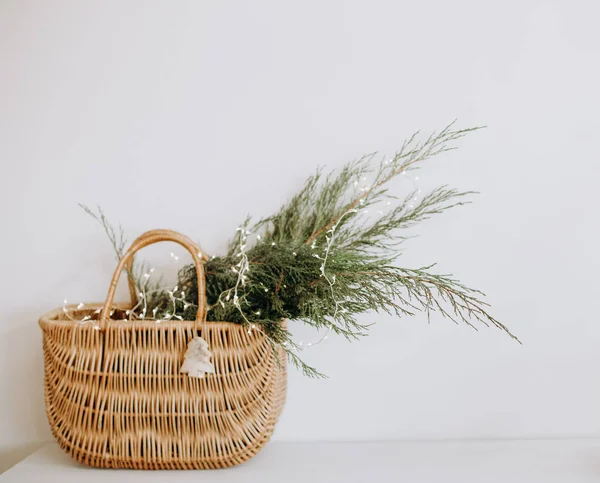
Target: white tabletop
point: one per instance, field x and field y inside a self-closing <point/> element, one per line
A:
<point x="532" y="461"/>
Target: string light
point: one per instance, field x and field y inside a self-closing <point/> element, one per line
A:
<point x="329" y="239"/>
<point x="416" y="189"/>
<point x="331" y="236"/>
<point x="142" y="304"/>
<point x="241" y="268"/>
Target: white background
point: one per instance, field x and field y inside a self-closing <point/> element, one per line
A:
<point x="188" y="115"/>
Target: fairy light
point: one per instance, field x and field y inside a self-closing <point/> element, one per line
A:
<point x="140" y="310"/>
<point x="329" y="239"/>
<point x="241" y="269"/>
<point x="416" y="189"/>
<point x="82" y="321"/>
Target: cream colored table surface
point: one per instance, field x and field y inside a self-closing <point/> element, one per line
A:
<point x="532" y="461"/>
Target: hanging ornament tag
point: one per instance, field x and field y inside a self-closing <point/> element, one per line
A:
<point x="197" y="359"/>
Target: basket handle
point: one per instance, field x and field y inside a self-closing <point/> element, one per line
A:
<point x="149" y="238"/>
<point x="129" y="265"/>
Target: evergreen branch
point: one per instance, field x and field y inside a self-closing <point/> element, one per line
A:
<point x="318" y="259"/>
<point x="117" y="238"/>
<point x="405" y="215"/>
<point x="410" y="154"/>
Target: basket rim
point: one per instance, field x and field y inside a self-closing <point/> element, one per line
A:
<point x="50" y="319"/>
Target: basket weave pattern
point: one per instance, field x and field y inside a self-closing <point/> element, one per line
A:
<point x="115" y="397"/>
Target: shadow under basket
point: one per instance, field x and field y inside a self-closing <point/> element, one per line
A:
<point x="115" y="397"/>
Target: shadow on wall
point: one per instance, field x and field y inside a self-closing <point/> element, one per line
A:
<point x="22" y="411"/>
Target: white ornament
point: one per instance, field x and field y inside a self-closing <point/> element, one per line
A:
<point x="197" y="359"/>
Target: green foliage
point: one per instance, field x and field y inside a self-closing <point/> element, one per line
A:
<point x="323" y="261"/>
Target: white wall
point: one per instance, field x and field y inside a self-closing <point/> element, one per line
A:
<point x="189" y="114"/>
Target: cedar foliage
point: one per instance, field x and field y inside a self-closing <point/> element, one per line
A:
<point x="323" y="260"/>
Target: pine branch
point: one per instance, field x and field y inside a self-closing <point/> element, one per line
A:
<point x="320" y="261"/>
<point x="410" y="154"/>
<point x="117" y="238"/>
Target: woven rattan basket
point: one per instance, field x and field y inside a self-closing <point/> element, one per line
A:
<point x="115" y="397"/>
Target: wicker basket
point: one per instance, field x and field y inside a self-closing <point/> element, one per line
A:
<point x="115" y="397"/>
